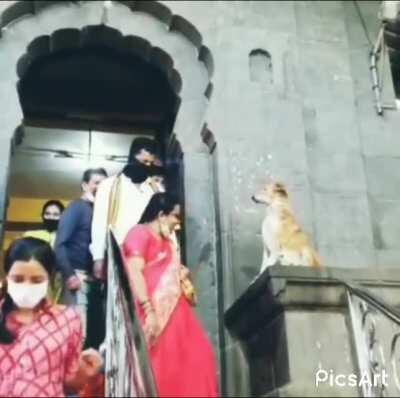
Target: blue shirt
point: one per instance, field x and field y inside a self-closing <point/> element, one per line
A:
<point x="74" y="238"/>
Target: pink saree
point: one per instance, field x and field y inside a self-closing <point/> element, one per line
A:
<point x="182" y="358"/>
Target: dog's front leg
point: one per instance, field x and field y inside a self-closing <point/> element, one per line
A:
<point x="264" y="264"/>
<point x="265" y="260"/>
<point x="272" y="260"/>
<point x="274" y="251"/>
<point x="269" y="258"/>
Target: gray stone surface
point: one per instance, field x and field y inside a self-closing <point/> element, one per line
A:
<point x="324" y="130"/>
<point x="348" y="256"/>
<point x="338" y="172"/>
<point x="388" y="258"/>
<point x="354" y="28"/>
<point x="386" y="226"/>
<point x="237" y="379"/>
<point x="4" y="170"/>
<point x="318" y="19"/>
<point x="382" y="140"/>
<point x="201" y="238"/>
<point x="383" y="176"/>
<point x="342" y="219"/>
<point x="321" y="350"/>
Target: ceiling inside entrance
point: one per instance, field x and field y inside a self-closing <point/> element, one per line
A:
<point x="49" y="163"/>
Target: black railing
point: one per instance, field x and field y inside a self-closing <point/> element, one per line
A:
<point x="128" y="370"/>
<point x="376" y="335"/>
<point x="373" y="300"/>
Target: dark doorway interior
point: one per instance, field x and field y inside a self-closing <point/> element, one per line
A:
<point x="97" y="86"/>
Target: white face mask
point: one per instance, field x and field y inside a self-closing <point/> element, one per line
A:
<point x="27" y="295"/>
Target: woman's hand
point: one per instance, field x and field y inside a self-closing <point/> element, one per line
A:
<point x="151" y="327"/>
<point x="187" y="285"/>
<point x="91" y="362"/>
<point x="99" y="270"/>
<point x="90" y="365"/>
<point x="73" y="283"/>
<point x="185" y="272"/>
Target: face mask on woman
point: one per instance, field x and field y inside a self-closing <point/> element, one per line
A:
<point x="50" y="224"/>
<point x="27" y="295"/>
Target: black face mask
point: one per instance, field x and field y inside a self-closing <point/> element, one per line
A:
<point x="137" y="172"/>
<point x="50" y="225"/>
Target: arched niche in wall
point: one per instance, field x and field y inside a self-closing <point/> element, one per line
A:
<point x="260" y="65"/>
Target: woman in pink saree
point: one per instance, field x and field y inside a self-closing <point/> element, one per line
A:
<point x="180" y="353"/>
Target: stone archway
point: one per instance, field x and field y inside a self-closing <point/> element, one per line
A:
<point x="98" y="78"/>
<point x="155" y="23"/>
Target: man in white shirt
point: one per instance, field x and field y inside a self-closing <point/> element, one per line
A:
<point x="121" y="200"/>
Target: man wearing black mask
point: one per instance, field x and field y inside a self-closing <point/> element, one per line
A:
<point x="121" y="199"/>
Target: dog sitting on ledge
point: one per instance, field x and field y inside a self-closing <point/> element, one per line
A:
<point x="284" y="241"/>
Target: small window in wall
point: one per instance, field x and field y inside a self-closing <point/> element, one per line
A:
<point x="260" y="66"/>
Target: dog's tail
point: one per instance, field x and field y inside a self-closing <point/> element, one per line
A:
<point x="311" y="257"/>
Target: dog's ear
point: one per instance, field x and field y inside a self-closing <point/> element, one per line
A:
<point x="280" y="188"/>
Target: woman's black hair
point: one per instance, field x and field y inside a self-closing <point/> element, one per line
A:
<point x="160" y="202"/>
<point x="53" y="202"/>
<point x="23" y="249"/>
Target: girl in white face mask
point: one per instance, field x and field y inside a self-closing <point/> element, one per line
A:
<point x="40" y="343"/>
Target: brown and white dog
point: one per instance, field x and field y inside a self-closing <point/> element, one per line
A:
<point x="284" y="241"/>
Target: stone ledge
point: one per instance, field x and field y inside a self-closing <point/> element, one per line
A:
<point x="283" y="287"/>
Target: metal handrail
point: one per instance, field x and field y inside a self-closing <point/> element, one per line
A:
<point x="133" y="364"/>
<point x="373" y="300"/>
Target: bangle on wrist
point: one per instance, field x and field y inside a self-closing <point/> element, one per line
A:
<point x="146" y="305"/>
<point x="148" y="310"/>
